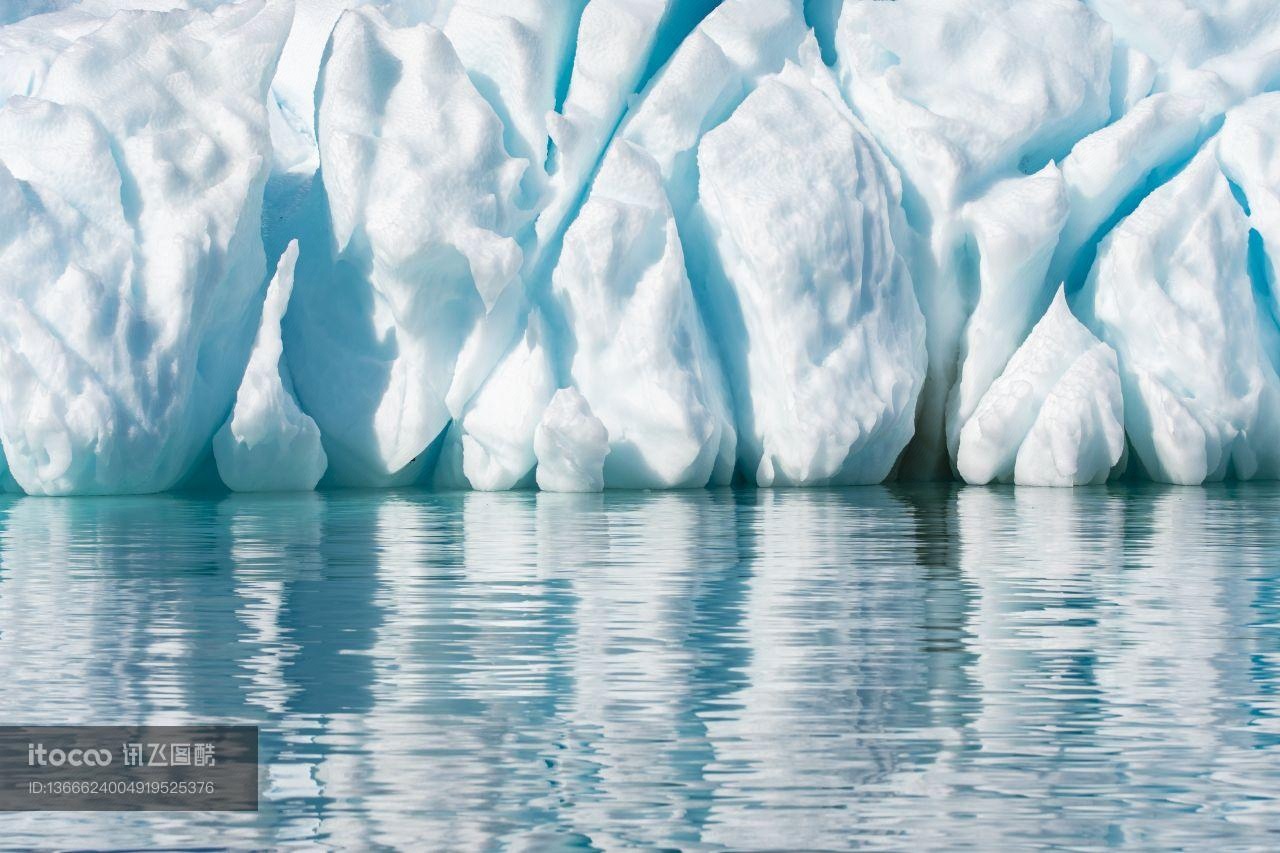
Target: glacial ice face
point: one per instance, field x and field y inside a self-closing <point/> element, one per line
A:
<point x="1013" y="229"/>
<point x="490" y="447"/>
<point x="740" y="43"/>
<point x="709" y="229"/>
<point x="828" y="358"/>
<point x="1249" y="153"/>
<point x="571" y="444"/>
<point x="615" y="46"/>
<point x="131" y="266"/>
<point x="1108" y="166"/>
<point x="638" y="351"/>
<point x="420" y="194"/>
<point x="963" y="94"/>
<point x="1171" y="292"/>
<point x="1054" y="417"/>
<point x="516" y="53"/>
<point x="269" y="444"/>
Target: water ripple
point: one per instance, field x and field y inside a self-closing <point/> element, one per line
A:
<point x="883" y="667"/>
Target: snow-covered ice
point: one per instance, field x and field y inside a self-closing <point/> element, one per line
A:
<point x="1172" y="293"/>
<point x="622" y="244"/>
<point x="421" y="199"/>
<point x="491" y="444"/>
<point x="637" y="349"/>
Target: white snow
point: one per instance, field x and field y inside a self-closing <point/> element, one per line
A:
<point x="571" y="445"/>
<point x="269" y="444"/>
<point x="637" y="243"/>
<point x="960" y="91"/>
<point x="1187" y="33"/>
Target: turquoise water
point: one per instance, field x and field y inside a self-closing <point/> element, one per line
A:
<point x="886" y="668"/>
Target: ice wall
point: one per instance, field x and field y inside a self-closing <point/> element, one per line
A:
<point x="620" y="244"/>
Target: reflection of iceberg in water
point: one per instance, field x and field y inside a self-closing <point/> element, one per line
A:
<point x="1187" y="613"/>
<point x="98" y="625"/>
<point x="836" y="697"/>
<point x="137" y="618"/>
<point x="800" y="669"/>
<point x="265" y="573"/>
<point x="1105" y="626"/>
<point x="1035" y="560"/>
<point x="639" y="567"/>
<point x="275" y="545"/>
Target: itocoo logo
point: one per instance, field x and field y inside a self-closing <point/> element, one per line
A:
<point x="38" y="756"/>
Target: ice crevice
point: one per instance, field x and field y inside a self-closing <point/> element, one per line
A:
<point x="638" y="243"/>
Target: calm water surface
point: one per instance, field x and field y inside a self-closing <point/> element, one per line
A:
<point x="882" y="668"/>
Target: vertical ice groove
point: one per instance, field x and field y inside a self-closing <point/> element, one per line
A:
<point x="1249" y="152"/>
<point x="620" y="46"/>
<point x="1054" y="417"/>
<point x="823" y="16"/>
<point x="605" y="52"/>
<point x="637" y="348"/>
<point x="1106" y="167"/>
<point x="1024" y="80"/>
<point x="491" y="444"/>
<point x="269" y="444"/>
<point x="1015" y="226"/>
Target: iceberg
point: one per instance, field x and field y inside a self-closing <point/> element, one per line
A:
<point x="491" y="446"/>
<point x="269" y="444"/>
<point x="1013" y="229"/>
<point x="422" y="217"/>
<point x="619" y="43"/>
<point x="1249" y="154"/>
<point x="963" y="95"/>
<point x="619" y="244"/>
